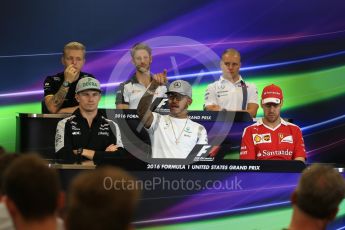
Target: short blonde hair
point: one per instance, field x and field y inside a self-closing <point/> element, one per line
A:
<point x="74" y="46"/>
<point x="231" y="51"/>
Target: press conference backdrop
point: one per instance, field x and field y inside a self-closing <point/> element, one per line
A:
<point x="300" y="48"/>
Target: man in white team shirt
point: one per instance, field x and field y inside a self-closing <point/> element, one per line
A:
<point x="130" y="92"/>
<point x="173" y="135"/>
<point x="231" y="92"/>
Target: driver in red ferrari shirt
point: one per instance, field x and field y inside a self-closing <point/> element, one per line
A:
<point x="272" y="138"/>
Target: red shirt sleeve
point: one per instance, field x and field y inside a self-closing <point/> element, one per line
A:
<point x="299" y="150"/>
<point x="247" y="151"/>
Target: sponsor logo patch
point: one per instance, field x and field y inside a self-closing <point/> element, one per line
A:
<point x="262" y="138"/>
<point x="136" y="91"/>
<point x="267" y="137"/>
<point x="257" y="139"/>
<point x="187" y="130"/>
<point x="221" y="87"/>
<point x="177" y="84"/>
<point x="103" y="134"/>
<point x="75" y="128"/>
<point x="285" y="138"/>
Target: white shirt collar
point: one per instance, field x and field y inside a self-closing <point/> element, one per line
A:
<point x="282" y="122"/>
<point x="237" y="82"/>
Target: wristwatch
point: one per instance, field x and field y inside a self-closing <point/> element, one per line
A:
<point x="66" y="84"/>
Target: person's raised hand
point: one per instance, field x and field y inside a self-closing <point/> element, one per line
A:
<point x="71" y="74"/>
<point x="160" y="78"/>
